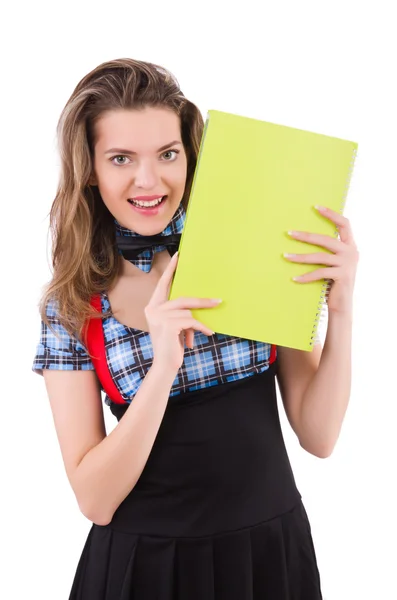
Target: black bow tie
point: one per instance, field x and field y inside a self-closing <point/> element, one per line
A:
<point x="131" y="246"/>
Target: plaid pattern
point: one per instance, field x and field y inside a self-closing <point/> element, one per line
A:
<point x="145" y="258"/>
<point x="213" y="360"/>
<point x="59" y="351"/>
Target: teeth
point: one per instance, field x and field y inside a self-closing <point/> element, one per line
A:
<point x="147" y="204"/>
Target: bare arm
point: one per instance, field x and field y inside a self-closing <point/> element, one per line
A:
<point x="101" y="469"/>
<point x="315" y="387"/>
<point x="327" y="396"/>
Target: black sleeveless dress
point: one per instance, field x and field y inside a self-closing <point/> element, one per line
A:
<point x="215" y="515"/>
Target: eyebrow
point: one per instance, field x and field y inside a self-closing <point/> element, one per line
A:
<point x="125" y="151"/>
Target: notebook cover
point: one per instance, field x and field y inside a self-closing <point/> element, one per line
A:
<point x="255" y="181"/>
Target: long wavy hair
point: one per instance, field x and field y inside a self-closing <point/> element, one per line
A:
<point x="85" y="260"/>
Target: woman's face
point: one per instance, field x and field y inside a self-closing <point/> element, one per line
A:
<point x="138" y="159"/>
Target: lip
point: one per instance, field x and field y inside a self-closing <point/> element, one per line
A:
<point x="147" y="198"/>
<point x="153" y="211"/>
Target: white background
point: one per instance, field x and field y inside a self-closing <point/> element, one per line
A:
<point x="325" y="67"/>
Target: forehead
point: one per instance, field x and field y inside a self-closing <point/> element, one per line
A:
<point x="146" y="128"/>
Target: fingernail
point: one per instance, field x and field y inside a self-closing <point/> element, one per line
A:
<point x="218" y="300"/>
<point x="319" y="207"/>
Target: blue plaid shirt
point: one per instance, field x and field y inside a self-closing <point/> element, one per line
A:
<point x="213" y="360"/>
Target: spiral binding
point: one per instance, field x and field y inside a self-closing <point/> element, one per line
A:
<point x="322" y="312"/>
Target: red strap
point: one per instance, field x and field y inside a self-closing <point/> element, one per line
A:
<point x="273" y="354"/>
<point x="95" y="342"/>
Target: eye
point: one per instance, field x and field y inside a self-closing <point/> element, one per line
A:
<point x="167" y="154"/>
<point x="116" y="158"/>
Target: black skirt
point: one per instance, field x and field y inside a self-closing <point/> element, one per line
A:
<point x="215" y="515"/>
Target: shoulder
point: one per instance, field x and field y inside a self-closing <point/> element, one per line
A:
<point x="57" y="348"/>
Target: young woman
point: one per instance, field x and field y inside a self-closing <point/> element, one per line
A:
<point x="191" y="495"/>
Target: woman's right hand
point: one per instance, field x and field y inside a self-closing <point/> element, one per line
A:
<point x="170" y="320"/>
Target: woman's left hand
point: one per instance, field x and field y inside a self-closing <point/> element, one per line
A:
<point x="341" y="266"/>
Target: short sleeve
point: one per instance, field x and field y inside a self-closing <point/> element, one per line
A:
<point x="61" y="351"/>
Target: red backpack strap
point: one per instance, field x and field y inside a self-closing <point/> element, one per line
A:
<point x="95" y="343"/>
<point x="273" y="354"/>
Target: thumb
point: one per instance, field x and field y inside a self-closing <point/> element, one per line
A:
<point x="163" y="287"/>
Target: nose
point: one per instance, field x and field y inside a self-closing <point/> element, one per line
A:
<point x="146" y="175"/>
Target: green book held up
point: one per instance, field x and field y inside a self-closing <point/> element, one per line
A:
<point x="254" y="182"/>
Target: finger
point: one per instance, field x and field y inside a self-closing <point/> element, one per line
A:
<point x="189" y="338"/>
<point x="319" y="258"/>
<point x="191" y="303"/>
<point x="318" y="274"/>
<point x="159" y="317"/>
<point x="190" y="323"/>
<point x="161" y="291"/>
<point x="317" y="239"/>
<point x="342" y="222"/>
<point x="175" y="314"/>
<point x="198" y="326"/>
<point x="346" y="233"/>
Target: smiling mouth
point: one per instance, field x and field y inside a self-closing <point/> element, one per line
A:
<point x="147" y="203"/>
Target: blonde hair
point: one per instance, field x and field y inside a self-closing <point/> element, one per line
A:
<point x="85" y="260"/>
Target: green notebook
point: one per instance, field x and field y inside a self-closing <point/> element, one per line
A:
<point x="254" y="182"/>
